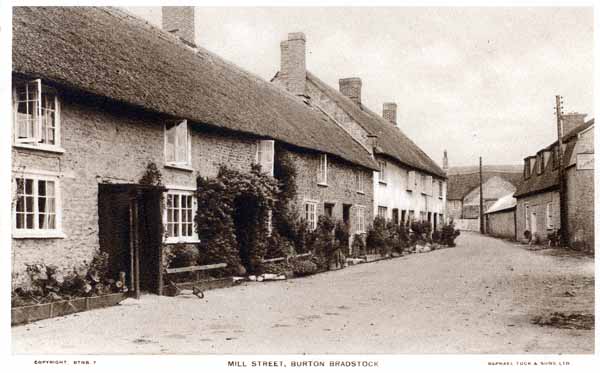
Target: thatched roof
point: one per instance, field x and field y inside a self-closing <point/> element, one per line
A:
<point x="391" y="140"/>
<point x="462" y="180"/>
<point x="109" y="53"/>
<point x="549" y="178"/>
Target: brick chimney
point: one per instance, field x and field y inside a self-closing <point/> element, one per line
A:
<point x="179" y="20"/>
<point x="351" y="87"/>
<point x="445" y="161"/>
<point x="293" y="63"/>
<point x="389" y="111"/>
<point x="572" y="120"/>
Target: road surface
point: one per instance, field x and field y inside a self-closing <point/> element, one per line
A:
<point x="478" y="297"/>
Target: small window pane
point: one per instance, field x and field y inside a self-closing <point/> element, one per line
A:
<point x="41" y="187"/>
<point x="29" y="204"/>
<point x="21" y="204"/>
<point x="20" y="221"/>
<point x="29" y="221"/>
<point x="51" y="221"/>
<point x="28" y="186"/>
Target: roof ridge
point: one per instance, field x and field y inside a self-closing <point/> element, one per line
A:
<point x="340" y="99"/>
<point x="134" y="57"/>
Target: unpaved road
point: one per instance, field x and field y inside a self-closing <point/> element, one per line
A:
<point x="478" y="297"/>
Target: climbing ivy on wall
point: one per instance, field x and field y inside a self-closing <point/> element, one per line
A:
<point x="232" y="216"/>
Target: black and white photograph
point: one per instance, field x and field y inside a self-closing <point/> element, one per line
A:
<point x="329" y="186"/>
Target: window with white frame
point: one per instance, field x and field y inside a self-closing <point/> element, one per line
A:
<point x="36" y="209"/>
<point x="360" y="181"/>
<point x="440" y="189"/>
<point x="36" y="115"/>
<point x="310" y="214"/>
<point x="179" y="216"/>
<point x="527" y="223"/>
<point x="382" y="212"/>
<point x="382" y="167"/>
<point x="360" y="219"/>
<point x="265" y="155"/>
<point x="423" y="184"/>
<point x="178" y="147"/>
<point x="549" y="221"/>
<point x="322" y="178"/>
<point x="412" y="180"/>
<point x="429" y="185"/>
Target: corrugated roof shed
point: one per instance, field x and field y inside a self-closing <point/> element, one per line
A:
<point x="391" y="140"/>
<point x="504" y="203"/>
<point x="109" y="53"/>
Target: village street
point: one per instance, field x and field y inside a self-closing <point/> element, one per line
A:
<point x="478" y="297"/>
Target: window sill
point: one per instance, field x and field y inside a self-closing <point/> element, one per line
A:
<point x="360" y="192"/>
<point x="322" y="184"/>
<point x="181" y="167"/>
<point x="41" y="235"/>
<point x="41" y="147"/>
<point x="176" y="240"/>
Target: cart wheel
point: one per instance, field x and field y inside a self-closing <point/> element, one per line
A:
<point x="197" y="292"/>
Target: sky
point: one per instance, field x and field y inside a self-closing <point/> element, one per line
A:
<point x="474" y="81"/>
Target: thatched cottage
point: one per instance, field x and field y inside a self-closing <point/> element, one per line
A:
<point x="538" y="195"/>
<point x="99" y="94"/>
<point x="408" y="185"/>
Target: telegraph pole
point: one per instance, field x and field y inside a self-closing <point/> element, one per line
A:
<point x="481" y="228"/>
<point x="564" y="232"/>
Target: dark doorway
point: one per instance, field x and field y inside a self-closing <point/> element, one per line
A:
<point x="395" y="217"/>
<point x="346" y="214"/>
<point x="435" y="221"/>
<point x="429" y="217"/>
<point x="130" y="231"/>
<point x="329" y="209"/>
<point x="244" y="218"/>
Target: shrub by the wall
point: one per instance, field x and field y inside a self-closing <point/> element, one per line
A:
<point x="449" y="234"/>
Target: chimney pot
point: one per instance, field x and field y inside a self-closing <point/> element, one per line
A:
<point x="293" y="63"/>
<point x="179" y="20"/>
<point x="351" y="88"/>
<point x="389" y="111"/>
<point x="445" y="160"/>
<point x="570" y="121"/>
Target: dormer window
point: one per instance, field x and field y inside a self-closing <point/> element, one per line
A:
<point x="322" y="177"/>
<point x="540" y="163"/>
<point x="555" y="157"/>
<point x="360" y="181"/>
<point x="36" y="116"/>
<point x="382" y="175"/>
<point x="412" y="181"/>
<point x="265" y="155"/>
<point x="178" y="147"/>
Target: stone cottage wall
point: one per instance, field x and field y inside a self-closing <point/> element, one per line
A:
<point x="341" y="188"/>
<point x="113" y="144"/>
<point x="537" y="204"/>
